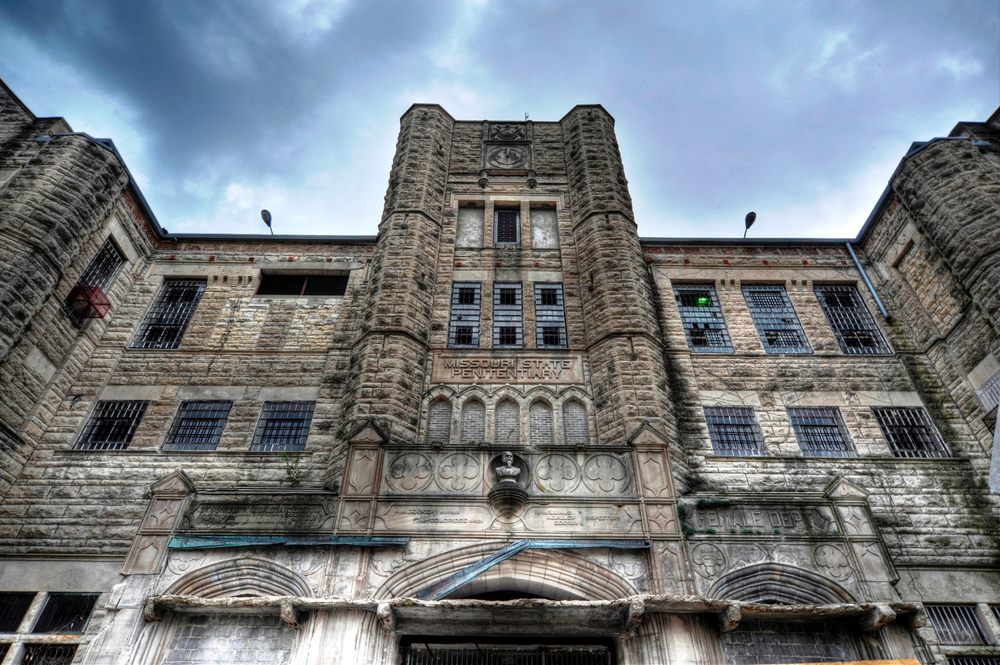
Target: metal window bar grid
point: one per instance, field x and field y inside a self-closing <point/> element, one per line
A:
<point x="910" y="432"/>
<point x="13" y="607"/>
<point x="48" y="654"/>
<point x="169" y="315"/>
<point x="508" y="320"/>
<point x="198" y="426"/>
<point x="507" y="226"/>
<point x="734" y="431"/>
<point x="100" y="273"/>
<point x="974" y="660"/>
<point x="283" y="427"/>
<point x="550" y="316"/>
<point x="777" y="323"/>
<point x="463" y="329"/>
<point x="956" y="624"/>
<point x="112" y="425"/>
<point x="851" y="321"/>
<point x="483" y="654"/>
<point x="821" y="432"/>
<point x="65" y="613"/>
<point x="701" y="316"/>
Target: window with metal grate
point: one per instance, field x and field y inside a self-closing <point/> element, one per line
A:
<point x="111" y="425"/>
<point x="198" y="426"/>
<point x="821" y="432"/>
<point x="550" y="316"/>
<point x="956" y="624"/>
<point x="88" y="299"/>
<point x="851" y="321"/>
<point x="508" y="323"/>
<point x="777" y="324"/>
<point x="169" y="314"/>
<point x="734" y="431"/>
<point x="910" y="432"/>
<point x="473" y="421"/>
<point x="507" y="226"/>
<point x="463" y="330"/>
<point x="65" y="613"/>
<point x="283" y="427"/>
<point x="439" y="421"/>
<point x="13" y="607"/>
<point x="701" y="316"/>
<point x="48" y="654"/>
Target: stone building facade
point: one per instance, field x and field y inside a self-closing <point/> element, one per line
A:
<point x="506" y="429"/>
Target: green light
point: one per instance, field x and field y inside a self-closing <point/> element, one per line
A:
<point x="704" y="301"/>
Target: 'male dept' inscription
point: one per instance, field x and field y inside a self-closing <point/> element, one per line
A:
<point x="486" y="368"/>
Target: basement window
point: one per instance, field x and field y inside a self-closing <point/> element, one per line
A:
<point x="112" y="425"/>
<point x="910" y="432"/>
<point x="701" y="316"/>
<point x="283" y="427"/>
<point x="956" y="624"/>
<point x="734" y="431"/>
<point x="278" y="284"/>
<point x="89" y="299"/>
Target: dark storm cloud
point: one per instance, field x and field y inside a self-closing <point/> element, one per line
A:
<point x="797" y="109"/>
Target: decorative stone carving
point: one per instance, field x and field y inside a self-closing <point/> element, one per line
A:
<point x="605" y="474"/>
<point x="832" y="561"/>
<point x="459" y="472"/>
<point x="556" y="473"/>
<point x="708" y="560"/>
<point x="409" y="472"/>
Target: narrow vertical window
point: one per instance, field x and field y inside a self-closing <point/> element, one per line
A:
<point x="550" y="316"/>
<point x="112" y="425"/>
<point x="821" y="432"/>
<point x="508" y="325"/>
<point x="910" y="432"/>
<point x="283" y="427"/>
<point x="507" y="226"/>
<point x="473" y="421"/>
<point x="439" y="421"/>
<point x="463" y="329"/>
<point x="508" y="423"/>
<point x="851" y="321"/>
<point x="701" y="316"/>
<point x="576" y="432"/>
<point x="169" y="315"/>
<point x="540" y="418"/>
<point x="775" y="319"/>
<point x="89" y="298"/>
<point x="198" y="426"/>
<point x="734" y="431"/>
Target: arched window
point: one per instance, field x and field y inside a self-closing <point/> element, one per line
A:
<point x="508" y="423"/>
<point x="439" y="421"/>
<point x="540" y="417"/>
<point x="575" y="428"/>
<point x="473" y="421"/>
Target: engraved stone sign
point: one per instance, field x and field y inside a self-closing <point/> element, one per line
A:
<point x="514" y="368"/>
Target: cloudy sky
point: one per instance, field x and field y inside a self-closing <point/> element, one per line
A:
<point x="798" y="110"/>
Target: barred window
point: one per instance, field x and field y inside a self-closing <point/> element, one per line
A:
<point x="198" y="426"/>
<point x="821" y="432"/>
<point x="910" y="432"/>
<point x="169" y="314"/>
<point x="65" y="613"/>
<point x="112" y="425"/>
<point x="13" y="607"/>
<point x="473" y="421"/>
<point x="734" y="431"/>
<point x="439" y="421"/>
<point x="956" y="624"/>
<point x="540" y="417"/>
<point x="851" y="321"/>
<point x="508" y="423"/>
<point x="507" y="226"/>
<point x="283" y="427"/>
<point x="777" y="324"/>
<point x="463" y="330"/>
<point x="88" y="298"/>
<point x="48" y="654"/>
<point x="508" y="324"/>
<point x="576" y="431"/>
<point x="701" y="316"/>
<point x="550" y="316"/>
